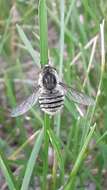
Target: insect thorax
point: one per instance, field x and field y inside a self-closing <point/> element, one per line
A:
<point x="49" y="81"/>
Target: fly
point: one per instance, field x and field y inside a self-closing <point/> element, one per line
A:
<point x="50" y="92"/>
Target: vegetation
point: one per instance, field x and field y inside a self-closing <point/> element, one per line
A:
<point x="67" y="151"/>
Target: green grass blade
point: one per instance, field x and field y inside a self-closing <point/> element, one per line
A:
<point x="7" y="172"/>
<point x="58" y="117"/>
<point x="43" y="32"/>
<point x="69" y="12"/>
<point x="15" y="154"/>
<point x="55" y="142"/>
<point x="32" y="161"/>
<point x="28" y="45"/>
<point x="62" y="7"/>
<point x="79" y="160"/>
<point x="46" y="147"/>
<point x="70" y="106"/>
<point x="44" y="60"/>
<point x="5" y="35"/>
<point x="9" y="90"/>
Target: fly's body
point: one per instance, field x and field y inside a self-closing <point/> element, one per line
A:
<point x="51" y="98"/>
<point x="51" y="92"/>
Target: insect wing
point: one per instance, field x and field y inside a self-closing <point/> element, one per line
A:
<point x="25" y="105"/>
<point x="76" y="96"/>
<point x="80" y="97"/>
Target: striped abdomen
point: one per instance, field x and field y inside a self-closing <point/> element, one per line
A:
<point x="51" y="102"/>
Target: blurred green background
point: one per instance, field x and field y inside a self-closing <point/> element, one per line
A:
<point x="18" y="69"/>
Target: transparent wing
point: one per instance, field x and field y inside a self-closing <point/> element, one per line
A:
<point x="77" y="97"/>
<point x="80" y="97"/>
<point x="25" y="105"/>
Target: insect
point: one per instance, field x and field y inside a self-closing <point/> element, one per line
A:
<point x="50" y="92"/>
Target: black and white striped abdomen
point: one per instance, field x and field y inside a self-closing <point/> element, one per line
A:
<point x="51" y="102"/>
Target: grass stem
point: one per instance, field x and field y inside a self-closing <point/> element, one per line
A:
<point x="44" y="60"/>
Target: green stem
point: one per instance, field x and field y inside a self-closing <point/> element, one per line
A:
<point x="46" y="146"/>
<point x="44" y="60"/>
<point x="43" y="32"/>
<point x="54" y="172"/>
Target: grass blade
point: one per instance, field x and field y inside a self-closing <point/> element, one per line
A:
<point x="80" y="158"/>
<point x="43" y="32"/>
<point x="28" y="45"/>
<point x="55" y="142"/>
<point x="7" y="172"/>
<point x="32" y="161"/>
<point x="62" y="28"/>
<point x="44" y="60"/>
<point x="61" y="53"/>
